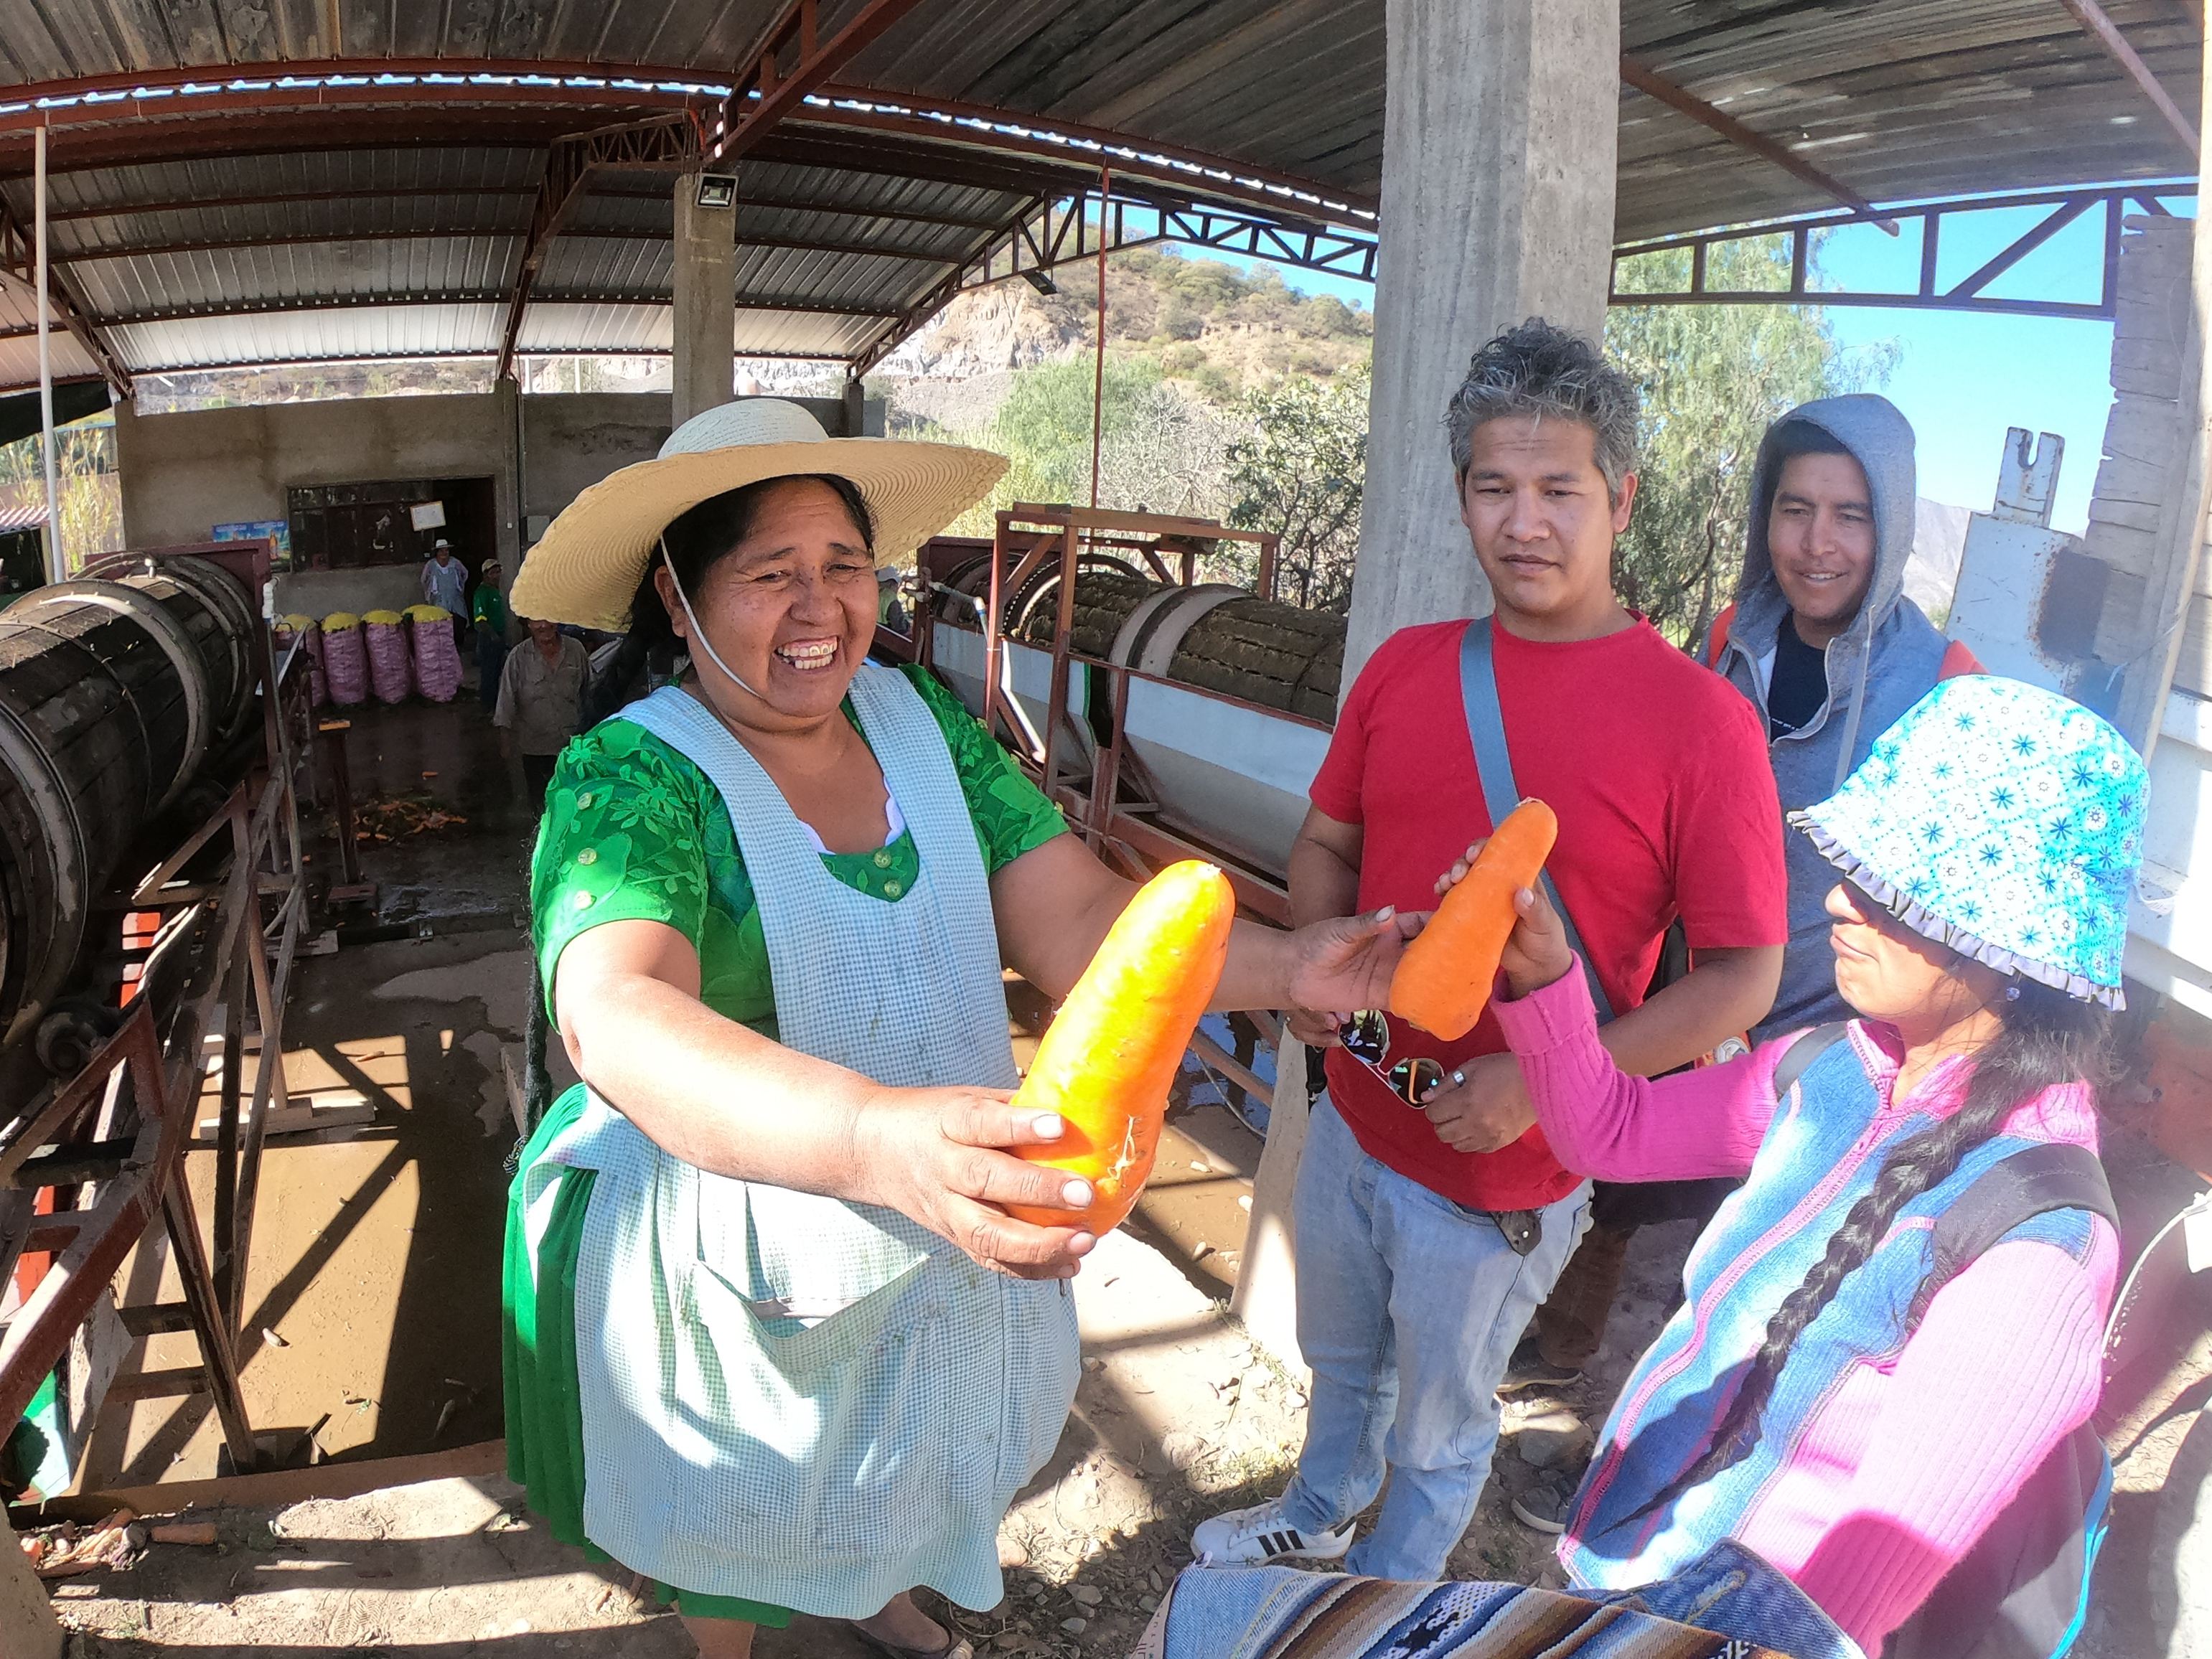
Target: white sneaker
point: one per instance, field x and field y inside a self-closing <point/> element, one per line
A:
<point x="1258" y="1537"/>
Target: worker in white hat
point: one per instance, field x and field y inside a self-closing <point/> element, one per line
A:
<point x="773" y="1341"/>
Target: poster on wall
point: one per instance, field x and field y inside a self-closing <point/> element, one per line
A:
<point x="429" y="516"/>
<point x="276" y="532"/>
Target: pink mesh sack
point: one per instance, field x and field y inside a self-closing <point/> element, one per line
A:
<point x="437" y="660"/>
<point x="390" y="664"/>
<point x="345" y="659"/>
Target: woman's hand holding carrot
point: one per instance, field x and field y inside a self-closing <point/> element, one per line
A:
<point x="1536" y="951"/>
<point x="946" y="1158"/>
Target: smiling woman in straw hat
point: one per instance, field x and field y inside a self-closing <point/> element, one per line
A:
<point x="772" y="1340"/>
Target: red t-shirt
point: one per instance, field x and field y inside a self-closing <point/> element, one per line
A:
<point x="1659" y="774"/>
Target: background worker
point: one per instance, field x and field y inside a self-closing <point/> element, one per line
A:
<point x="487" y="617"/>
<point x="446" y="584"/>
<point x="1824" y="641"/>
<point x="1666" y="807"/>
<point x="541" y="699"/>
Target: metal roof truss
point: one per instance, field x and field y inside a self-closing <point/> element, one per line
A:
<point x="1969" y="292"/>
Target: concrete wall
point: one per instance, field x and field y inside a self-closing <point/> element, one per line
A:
<point x="373" y="587"/>
<point x="182" y="474"/>
<point x="570" y="441"/>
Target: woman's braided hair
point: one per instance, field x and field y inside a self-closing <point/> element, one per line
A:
<point x="2047" y="1039"/>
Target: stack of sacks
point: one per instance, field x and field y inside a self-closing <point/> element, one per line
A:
<point x="437" y="660"/>
<point x="391" y="668"/>
<point x="345" y="659"/>
<point x="303" y="628"/>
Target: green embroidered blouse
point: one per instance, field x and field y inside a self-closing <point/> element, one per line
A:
<point x="634" y="831"/>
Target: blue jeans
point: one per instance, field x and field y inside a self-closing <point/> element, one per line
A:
<point x="1409" y="1309"/>
<point x="1732" y="1591"/>
<point x="1247" y="1613"/>
<point x="491" y="659"/>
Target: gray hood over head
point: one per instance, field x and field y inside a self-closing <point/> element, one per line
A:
<point x="1881" y="665"/>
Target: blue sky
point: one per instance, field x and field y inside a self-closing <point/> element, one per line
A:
<point x="1961" y="378"/>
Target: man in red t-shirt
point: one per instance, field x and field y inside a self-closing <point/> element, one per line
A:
<point x="1427" y="1235"/>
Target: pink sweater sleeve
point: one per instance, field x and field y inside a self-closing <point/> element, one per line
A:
<point x="2007" y="1361"/>
<point x="1602" y="1121"/>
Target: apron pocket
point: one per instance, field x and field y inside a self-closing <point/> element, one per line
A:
<point x="843" y="1426"/>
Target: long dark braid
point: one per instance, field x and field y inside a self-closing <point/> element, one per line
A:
<point x="2048" y="1038"/>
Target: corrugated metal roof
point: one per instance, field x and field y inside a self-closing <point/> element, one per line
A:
<point x="290" y="176"/>
<point x="287" y="337"/>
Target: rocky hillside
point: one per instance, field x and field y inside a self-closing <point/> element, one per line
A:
<point x="1212" y="329"/>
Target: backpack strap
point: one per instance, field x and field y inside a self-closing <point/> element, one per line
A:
<point x="1959" y="659"/>
<point x="1493" y="766"/>
<point x="1803" y="1053"/>
<point x="1717" y="639"/>
<point x="2016" y="1188"/>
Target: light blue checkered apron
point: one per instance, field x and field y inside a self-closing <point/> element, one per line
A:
<point x="787" y="1397"/>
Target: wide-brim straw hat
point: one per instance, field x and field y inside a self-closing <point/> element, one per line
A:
<point x="585" y="569"/>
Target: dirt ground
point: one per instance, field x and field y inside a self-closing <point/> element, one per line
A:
<point x="373" y="1332"/>
<point x="1178" y="1415"/>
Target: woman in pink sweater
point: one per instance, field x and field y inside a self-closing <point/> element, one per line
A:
<point x="1820" y="1397"/>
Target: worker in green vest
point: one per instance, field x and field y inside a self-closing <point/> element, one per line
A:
<point x="488" y="612"/>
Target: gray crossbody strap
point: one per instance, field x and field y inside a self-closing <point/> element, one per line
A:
<point x="1494" y="764"/>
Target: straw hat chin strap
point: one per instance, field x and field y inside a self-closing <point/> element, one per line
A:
<point x="698" y="633"/>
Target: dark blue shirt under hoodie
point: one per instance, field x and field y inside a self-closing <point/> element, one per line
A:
<point x="1886" y="661"/>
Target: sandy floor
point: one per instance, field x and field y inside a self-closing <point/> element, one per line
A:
<point x="372" y="1332"/>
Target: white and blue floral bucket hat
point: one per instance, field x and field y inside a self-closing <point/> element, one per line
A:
<point x="2004" y="821"/>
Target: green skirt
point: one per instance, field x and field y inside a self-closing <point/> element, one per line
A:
<point x="544" y="1411"/>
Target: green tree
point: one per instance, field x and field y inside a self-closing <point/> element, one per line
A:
<point x="85" y="477"/>
<point x="1300" y="473"/>
<point x="1044" y="425"/>
<point x="1714" y="377"/>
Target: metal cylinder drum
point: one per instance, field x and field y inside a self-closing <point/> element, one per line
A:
<point x="223" y="629"/>
<point x="112" y="694"/>
<point x="1216" y="636"/>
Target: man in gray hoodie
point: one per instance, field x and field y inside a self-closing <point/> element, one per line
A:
<point x="1823" y="641"/>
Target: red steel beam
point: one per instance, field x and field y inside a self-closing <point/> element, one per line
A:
<point x="569" y="165"/>
<point x="793" y="303"/>
<point x="449" y="233"/>
<point x="340" y="131"/>
<point x="1124" y="151"/>
<point x="18" y="254"/>
<point x="1657" y="86"/>
<point x="2092" y="17"/>
<point x="783" y="93"/>
<point x="208" y="204"/>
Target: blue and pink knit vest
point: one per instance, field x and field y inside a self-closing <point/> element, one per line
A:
<point x="1820" y="1156"/>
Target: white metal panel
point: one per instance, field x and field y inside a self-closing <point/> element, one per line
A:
<point x="288" y="337"/>
<point x="2170" y="925"/>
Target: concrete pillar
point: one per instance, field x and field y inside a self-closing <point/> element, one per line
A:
<point x="705" y="303"/>
<point x="1498" y="144"/>
<point x="1498" y="141"/>
<point x="1267" y="1285"/>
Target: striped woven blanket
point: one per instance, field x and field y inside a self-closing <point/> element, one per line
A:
<point x="1278" y="1613"/>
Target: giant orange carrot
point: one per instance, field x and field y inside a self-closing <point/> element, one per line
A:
<point x="1112" y="1050"/>
<point x="1444" y="979"/>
